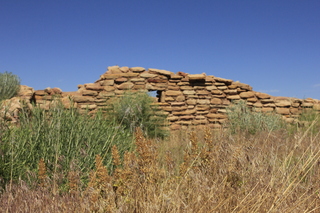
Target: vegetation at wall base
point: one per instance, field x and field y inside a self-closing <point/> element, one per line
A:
<point x="9" y="85"/>
<point x="241" y="118"/>
<point x="138" y="109"/>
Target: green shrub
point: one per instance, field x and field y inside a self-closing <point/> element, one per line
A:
<point x="309" y="118"/>
<point x="137" y="109"/>
<point x="9" y="85"/>
<point x="60" y="136"/>
<point x="242" y="118"/>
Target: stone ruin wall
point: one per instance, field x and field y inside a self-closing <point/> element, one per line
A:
<point x="187" y="99"/>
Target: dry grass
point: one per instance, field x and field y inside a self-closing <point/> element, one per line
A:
<point x="194" y="171"/>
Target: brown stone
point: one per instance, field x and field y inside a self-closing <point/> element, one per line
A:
<point x="252" y="99"/>
<point x="124" y="69"/>
<point x="283" y="111"/>
<point x="197" y="77"/>
<point x="138" y="87"/>
<point x="223" y="80"/>
<point x="40" y="92"/>
<point x="178" y="103"/>
<point x="283" y="103"/>
<point x="83" y="99"/>
<point x="202" y="107"/>
<point x="192" y="101"/>
<point x="147" y="75"/>
<point x="186" y="112"/>
<point x="231" y="92"/>
<point x="173" y="93"/>
<point x="216" y="116"/>
<point x="247" y="94"/>
<point x="137" y="69"/>
<point x="121" y="80"/>
<point x="162" y="72"/>
<point x="242" y="86"/>
<point x="262" y="95"/>
<point x="107" y="83"/>
<point x="265" y="101"/>
<point x="305" y="104"/>
<point x="180" y="98"/>
<point x="125" y="86"/>
<point x="173" y="88"/>
<point x="233" y="97"/>
<point x="114" y="70"/>
<point x="137" y="79"/>
<point x="186" y="88"/>
<point x="267" y="109"/>
<point x="203" y="92"/>
<point x="186" y="117"/>
<point x="203" y="101"/>
<point x="216" y="92"/>
<point x="89" y="92"/>
<point x="211" y="87"/>
<point x="222" y="87"/>
<point x="258" y="104"/>
<point x="104" y="94"/>
<point x="177" y="77"/>
<point x="216" y="101"/>
<point x="188" y="92"/>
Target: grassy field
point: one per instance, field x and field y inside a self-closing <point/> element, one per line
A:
<point x="73" y="163"/>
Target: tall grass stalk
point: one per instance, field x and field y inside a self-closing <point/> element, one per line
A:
<point x="59" y="136"/>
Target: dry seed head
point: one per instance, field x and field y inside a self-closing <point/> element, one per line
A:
<point x="115" y="156"/>
<point x="42" y="174"/>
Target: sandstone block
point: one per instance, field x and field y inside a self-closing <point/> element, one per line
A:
<point x="137" y="79"/>
<point x="197" y="77"/>
<point x="186" y="117"/>
<point x="247" y="94"/>
<point x="211" y="88"/>
<point x="176" y="77"/>
<point x="120" y="80"/>
<point x="262" y="95"/>
<point x="216" y="116"/>
<point x="173" y="88"/>
<point x="283" y="111"/>
<point x="231" y="92"/>
<point x="267" y="109"/>
<point x="137" y="69"/>
<point x="186" y="88"/>
<point x="173" y="93"/>
<point x="216" y="92"/>
<point x="191" y="101"/>
<point x="242" y="86"/>
<point x="222" y="87"/>
<point x="233" y="97"/>
<point x="223" y="80"/>
<point x="147" y="75"/>
<point x="188" y="92"/>
<point x="83" y="99"/>
<point x="203" y="101"/>
<point x="216" y="101"/>
<point x="89" y="93"/>
<point x="107" y="83"/>
<point x="186" y="112"/>
<point x="114" y="69"/>
<point x="125" y="86"/>
<point x="306" y="104"/>
<point x="105" y="94"/>
<point x="124" y="69"/>
<point x="265" y="101"/>
<point x="253" y="100"/>
<point x="162" y="72"/>
<point x="180" y="98"/>
<point x="283" y="103"/>
<point x="258" y="104"/>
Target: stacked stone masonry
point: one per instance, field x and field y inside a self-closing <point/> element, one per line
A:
<point x="187" y="99"/>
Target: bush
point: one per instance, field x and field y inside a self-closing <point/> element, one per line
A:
<point x="60" y="136"/>
<point x="242" y="118"/>
<point x="137" y="109"/>
<point x="9" y="85"/>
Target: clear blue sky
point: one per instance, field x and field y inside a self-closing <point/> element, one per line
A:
<point x="272" y="45"/>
